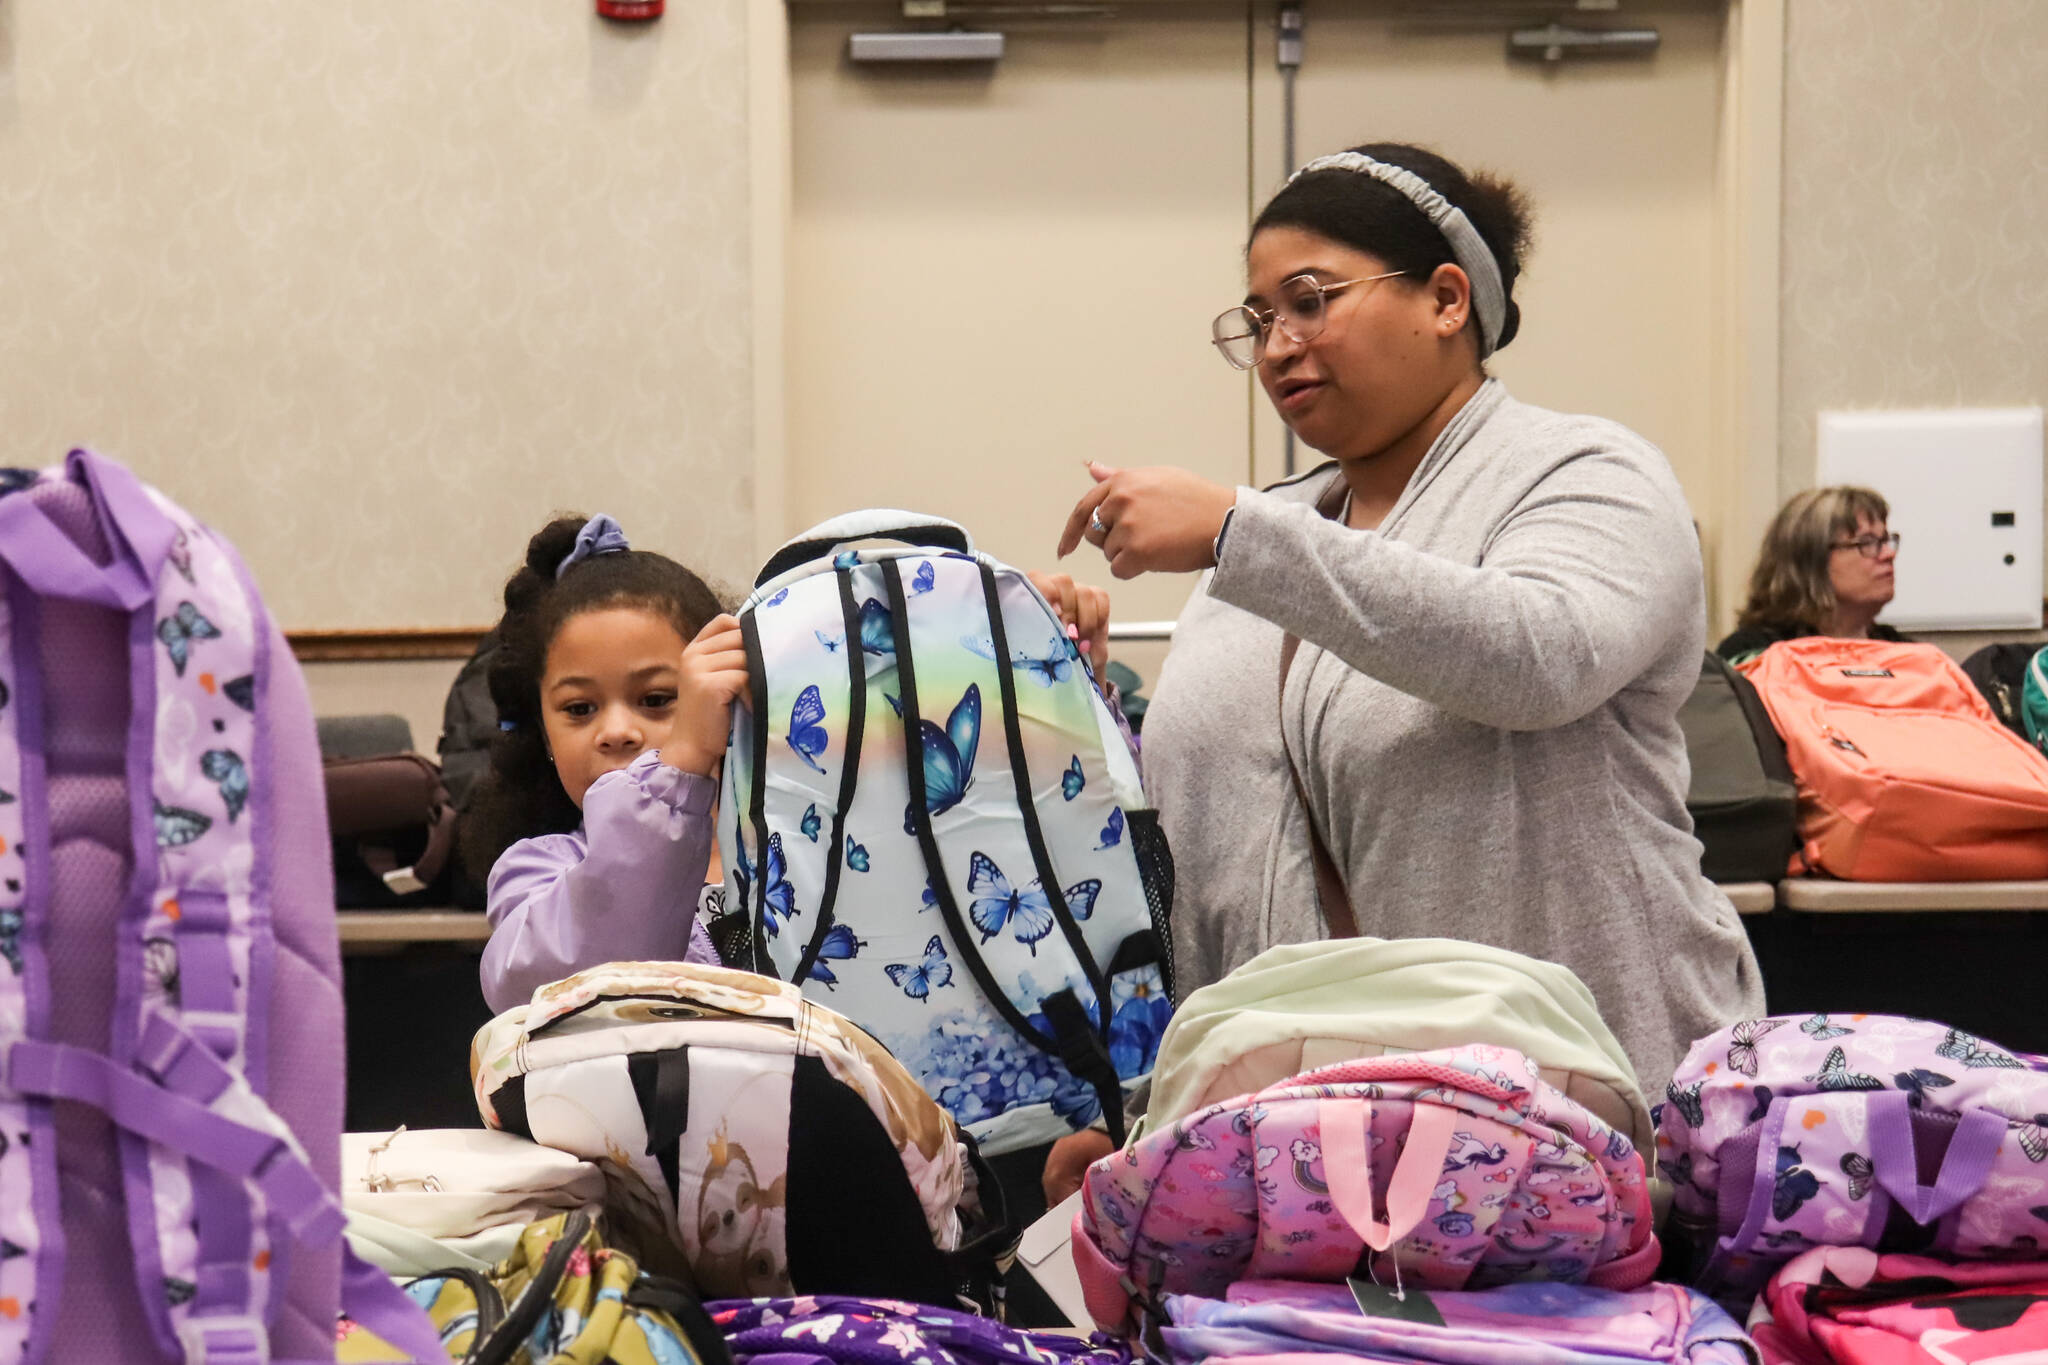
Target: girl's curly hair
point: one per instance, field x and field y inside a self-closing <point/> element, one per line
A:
<point x="520" y="796"/>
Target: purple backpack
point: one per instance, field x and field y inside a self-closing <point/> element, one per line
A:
<point x="171" y="964"/>
<point x="1456" y="1169"/>
<point x="1783" y="1134"/>
<point x="826" y="1329"/>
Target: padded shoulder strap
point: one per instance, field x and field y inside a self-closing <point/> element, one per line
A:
<point x="196" y="944"/>
<point x="30" y="1219"/>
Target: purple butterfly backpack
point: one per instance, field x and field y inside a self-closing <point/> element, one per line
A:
<point x="171" y="965"/>
<point x="1898" y="1135"/>
<point x="1452" y="1169"/>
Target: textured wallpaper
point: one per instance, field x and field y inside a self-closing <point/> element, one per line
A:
<point x="373" y="286"/>
<point x="1915" y="211"/>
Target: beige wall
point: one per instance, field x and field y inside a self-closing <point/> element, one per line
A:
<point x="996" y="274"/>
<point x="375" y="287"/>
<point x="1915" y="212"/>
<point x="1916" y="209"/>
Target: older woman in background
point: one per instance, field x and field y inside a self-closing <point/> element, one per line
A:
<point x="1826" y="568"/>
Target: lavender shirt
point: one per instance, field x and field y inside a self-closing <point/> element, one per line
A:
<point x="623" y="888"/>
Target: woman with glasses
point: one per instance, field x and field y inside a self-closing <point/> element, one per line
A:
<point x="1825" y="569"/>
<point x="1446" y="665"/>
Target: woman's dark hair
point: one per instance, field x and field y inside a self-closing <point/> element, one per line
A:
<point x="520" y="796"/>
<point x="1371" y="216"/>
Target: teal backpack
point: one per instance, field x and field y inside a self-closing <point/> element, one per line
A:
<point x="2034" y="700"/>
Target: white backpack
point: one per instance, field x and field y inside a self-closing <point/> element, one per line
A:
<point x="989" y="900"/>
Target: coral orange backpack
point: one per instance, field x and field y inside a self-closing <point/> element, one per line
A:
<point x="1904" y="774"/>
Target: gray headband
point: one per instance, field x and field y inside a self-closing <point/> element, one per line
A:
<point x="1474" y="257"/>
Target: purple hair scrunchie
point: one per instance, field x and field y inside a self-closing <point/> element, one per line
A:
<point x="599" y="536"/>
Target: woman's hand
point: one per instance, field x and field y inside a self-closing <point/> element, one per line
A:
<point x="1069" y="1161"/>
<point x="1084" y="609"/>
<point x="1153" y="520"/>
<point x="713" y="676"/>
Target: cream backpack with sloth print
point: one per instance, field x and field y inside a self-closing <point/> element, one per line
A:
<point x="771" y="1142"/>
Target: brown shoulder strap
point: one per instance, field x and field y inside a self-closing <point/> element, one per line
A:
<point x="1336" y="905"/>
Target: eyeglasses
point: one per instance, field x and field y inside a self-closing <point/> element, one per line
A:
<point x="1870" y="547"/>
<point x="1240" y="333"/>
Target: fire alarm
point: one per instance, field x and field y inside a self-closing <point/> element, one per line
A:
<point x="630" y="9"/>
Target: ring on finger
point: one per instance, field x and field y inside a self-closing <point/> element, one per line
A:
<point x="1095" y="522"/>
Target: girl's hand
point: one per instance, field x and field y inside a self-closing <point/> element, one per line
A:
<point x="1084" y="609"/>
<point x="713" y="676"/>
<point x="1157" y="520"/>
<point x="1067" y="1163"/>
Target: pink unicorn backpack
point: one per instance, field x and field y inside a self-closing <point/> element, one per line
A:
<point x="1896" y="1135"/>
<point x="1451" y="1169"/>
<point x="171" y="964"/>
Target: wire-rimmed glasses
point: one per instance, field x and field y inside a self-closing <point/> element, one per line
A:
<point x="1240" y="333"/>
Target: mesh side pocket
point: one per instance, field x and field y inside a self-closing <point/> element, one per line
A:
<point x="732" y="937"/>
<point x="1155" y="868"/>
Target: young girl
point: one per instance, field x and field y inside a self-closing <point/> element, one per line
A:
<point x="595" y="820"/>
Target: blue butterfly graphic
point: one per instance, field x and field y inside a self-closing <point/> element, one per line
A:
<point x="845" y="559"/>
<point x="176" y="826"/>
<point x="856" y="855"/>
<point x="831" y="642"/>
<point x="225" y="766"/>
<point x="1055" y="666"/>
<point x="1959" y="1046"/>
<point x="924" y="580"/>
<point x="1917" y="1082"/>
<point x="777" y="600"/>
<point x="920" y="981"/>
<point x="241" y="691"/>
<point x="780" y="896"/>
<point x="1820" y="1027"/>
<point x="807" y="738"/>
<point x="949" y="756"/>
<point x="1793" y="1185"/>
<point x="839" y="946"/>
<point x="10" y="938"/>
<point x="1113" y="832"/>
<point x="1073" y="779"/>
<point x="894" y="705"/>
<point x="180" y="631"/>
<point x="877" y="629"/>
<point x="931" y="897"/>
<point x="1834" y="1074"/>
<point x="1027" y="910"/>
<point x="811" y="824"/>
<point x="1687" y="1101"/>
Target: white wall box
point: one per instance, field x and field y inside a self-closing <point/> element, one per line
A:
<point x="1964" y="486"/>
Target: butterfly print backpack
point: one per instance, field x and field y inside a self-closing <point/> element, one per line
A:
<point x="1779" y="1135"/>
<point x="1451" y="1169"/>
<point x="933" y="823"/>
<point x="171" y="962"/>
<point x="768" y="1140"/>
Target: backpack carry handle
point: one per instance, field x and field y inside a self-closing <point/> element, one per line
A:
<point x="880" y="523"/>
<point x="1965" y="1167"/>
<point x="52" y="565"/>
<point x="1347" y="1167"/>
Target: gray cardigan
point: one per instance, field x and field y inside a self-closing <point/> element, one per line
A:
<point x="1486" y="705"/>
